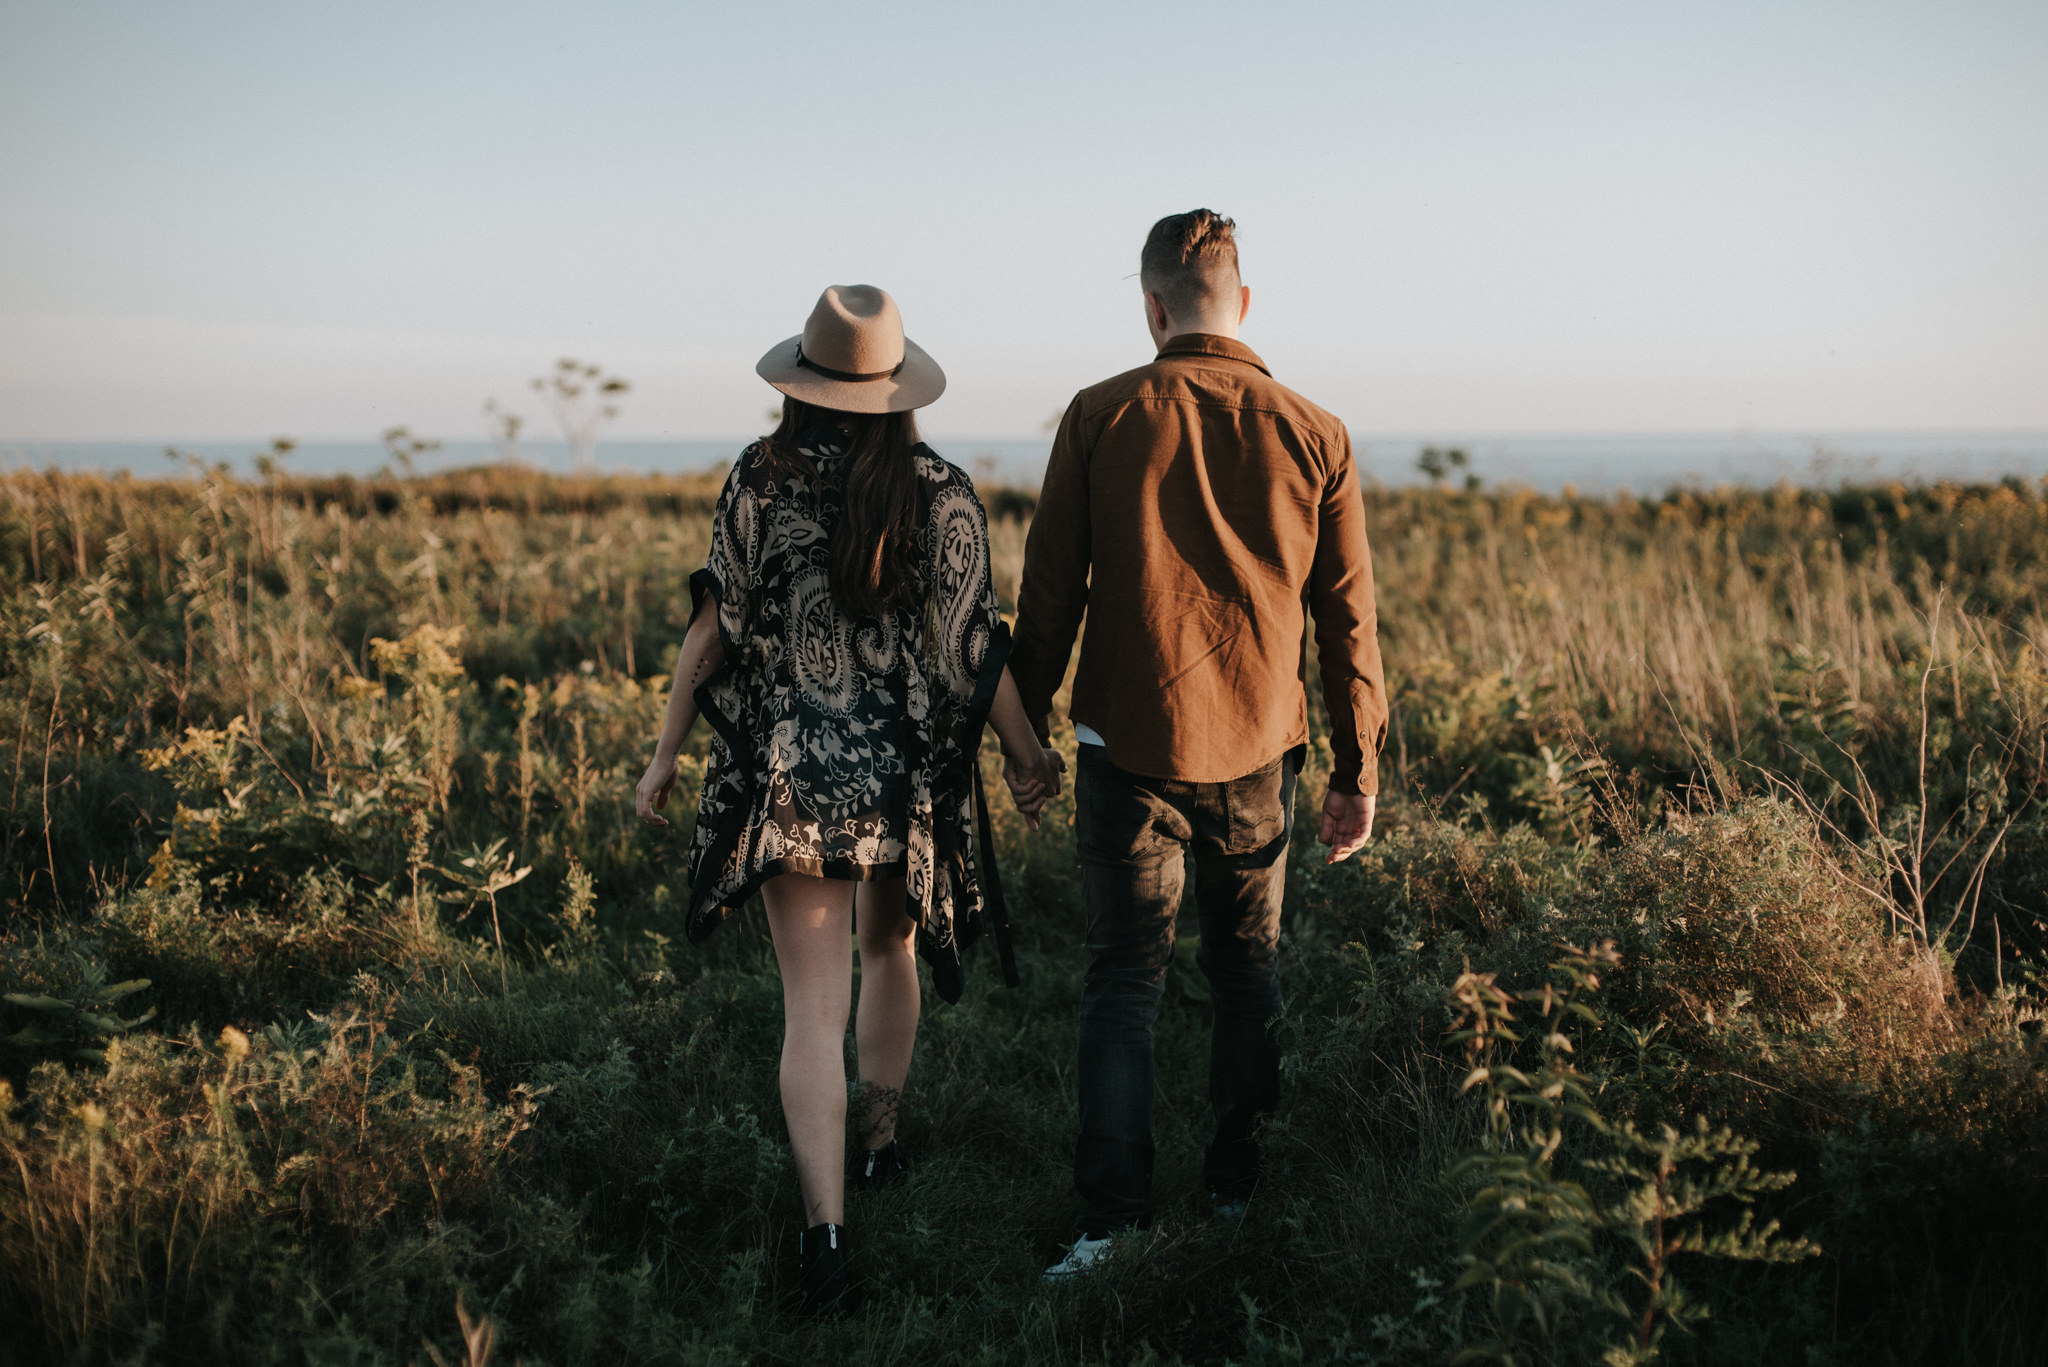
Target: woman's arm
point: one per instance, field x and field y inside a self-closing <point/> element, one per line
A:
<point x="1031" y="770"/>
<point x="703" y="651"/>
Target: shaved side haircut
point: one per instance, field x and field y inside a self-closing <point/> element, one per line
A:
<point x="1190" y="261"/>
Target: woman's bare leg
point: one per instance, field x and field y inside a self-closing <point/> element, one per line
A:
<point x="885" y="1030"/>
<point x="810" y="920"/>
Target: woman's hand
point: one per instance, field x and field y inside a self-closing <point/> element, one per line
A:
<point x="703" y="651"/>
<point x="652" y="794"/>
<point x="1034" y="779"/>
<point x="1030" y="767"/>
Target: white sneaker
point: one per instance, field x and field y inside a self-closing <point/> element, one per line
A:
<point x="1086" y="1256"/>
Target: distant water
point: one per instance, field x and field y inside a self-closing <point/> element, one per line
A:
<point x="1652" y="464"/>
<point x="1648" y="464"/>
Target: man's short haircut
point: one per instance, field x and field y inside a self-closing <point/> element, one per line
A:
<point x="1190" y="261"/>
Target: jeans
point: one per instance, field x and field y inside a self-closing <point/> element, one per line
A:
<point x="1135" y="836"/>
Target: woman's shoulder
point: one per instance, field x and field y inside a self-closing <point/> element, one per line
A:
<point x="751" y="461"/>
<point x="949" y="496"/>
<point x="941" y="476"/>
<point x="755" y="470"/>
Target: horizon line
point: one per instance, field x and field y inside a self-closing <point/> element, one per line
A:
<point x="1391" y="434"/>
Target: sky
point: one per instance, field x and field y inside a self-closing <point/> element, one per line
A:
<point x="229" y="220"/>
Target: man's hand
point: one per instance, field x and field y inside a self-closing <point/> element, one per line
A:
<point x="1033" y="779"/>
<point x="1347" y="824"/>
<point x="652" y="794"/>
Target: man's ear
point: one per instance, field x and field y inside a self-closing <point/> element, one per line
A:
<point x="1244" y="302"/>
<point x="1155" y="311"/>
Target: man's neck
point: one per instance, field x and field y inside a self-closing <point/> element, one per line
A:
<point x="1212" y="321"/>
<point x="1207" y="327"/>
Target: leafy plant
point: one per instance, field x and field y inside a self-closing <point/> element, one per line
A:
<point x="484" y="873"/>
<point x="74" y="1016"/>
<point x="1561" y="790"/>
<point x="1529" y="1238"/>
<point x="1661" y="1188"/>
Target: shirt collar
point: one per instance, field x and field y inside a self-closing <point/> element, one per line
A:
<point x="1210" y="344"/>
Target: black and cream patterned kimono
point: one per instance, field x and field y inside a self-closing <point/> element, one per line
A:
<point x="843" y="748"/>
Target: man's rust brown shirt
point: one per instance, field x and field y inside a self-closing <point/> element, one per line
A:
<point x="1193" y="508"/>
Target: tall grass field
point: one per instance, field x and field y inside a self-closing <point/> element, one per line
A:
<point x="1686" y="1007"/>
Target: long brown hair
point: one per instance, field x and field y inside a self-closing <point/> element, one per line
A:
<point x="874" y="548"/>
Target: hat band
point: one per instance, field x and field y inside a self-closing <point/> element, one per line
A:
<point x="847" y="375"/>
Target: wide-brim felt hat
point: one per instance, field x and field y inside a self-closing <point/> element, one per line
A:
<point x="852" y="356"/>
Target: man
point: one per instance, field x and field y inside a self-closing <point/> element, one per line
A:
<point x="1192" y="508"/>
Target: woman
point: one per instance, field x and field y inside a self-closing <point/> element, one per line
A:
<point x="846" y="647"/>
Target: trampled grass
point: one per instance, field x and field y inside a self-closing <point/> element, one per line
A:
<point x="296" y="1053"/>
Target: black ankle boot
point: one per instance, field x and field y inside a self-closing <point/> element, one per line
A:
<point x="881" y="1167"/>
<point x="823" y="1250"/>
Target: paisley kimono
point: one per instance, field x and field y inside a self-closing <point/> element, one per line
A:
<point x="844" y="748"/>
